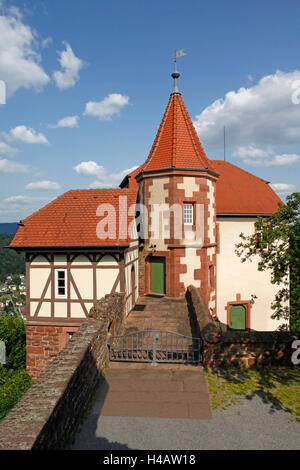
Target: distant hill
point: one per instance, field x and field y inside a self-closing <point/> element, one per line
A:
<point x="10" y="261"/>
<point x="9" y="227"/>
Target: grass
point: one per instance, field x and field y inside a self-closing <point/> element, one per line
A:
<point x="278" y="386"/>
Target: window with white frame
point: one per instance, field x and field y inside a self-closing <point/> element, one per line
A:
<point x="61" y="283"/>
<point x="188" y="213"/>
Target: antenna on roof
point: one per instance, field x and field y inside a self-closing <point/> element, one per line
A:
<point x="224" y="145"/>
<point x="175" y="75"/>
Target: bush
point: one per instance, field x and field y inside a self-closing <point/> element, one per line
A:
<point x="12" y="386"/>
<point x="12" y="332"/>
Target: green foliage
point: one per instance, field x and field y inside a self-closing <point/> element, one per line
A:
<point x="277" y="243"/>
<point x="10" y="261"/>
<point x="14" y="380"/>
<point x="12" y="386"/>
<point x="12" y="332"/>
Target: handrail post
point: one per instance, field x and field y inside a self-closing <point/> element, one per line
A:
<point x="155" y="339"/>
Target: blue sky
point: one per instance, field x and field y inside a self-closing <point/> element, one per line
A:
<point x="87" y="82"/>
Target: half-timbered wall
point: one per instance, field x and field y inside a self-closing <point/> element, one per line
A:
<point x="88" y="277"/>
<point x="131" y="275"/>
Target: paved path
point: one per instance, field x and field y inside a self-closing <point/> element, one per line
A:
<point x="164" y="391"/>
<point x="249" y="425"/>
<point x="159" y="313"/>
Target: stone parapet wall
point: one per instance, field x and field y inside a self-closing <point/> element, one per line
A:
<point x="201" y="320"/>
<point x="48" y="415"/>
<point x="238" y="348"/>
<point x="253" y="348"/>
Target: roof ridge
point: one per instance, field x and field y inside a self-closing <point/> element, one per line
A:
<point x="242" y="169"/>
<point x="158" y="135"/>
<point x="186" y="120"/>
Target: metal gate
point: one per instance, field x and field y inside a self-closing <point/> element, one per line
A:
<point x="155" y="346"/>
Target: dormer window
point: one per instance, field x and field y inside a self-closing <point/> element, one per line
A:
<point x="188" y="213"/>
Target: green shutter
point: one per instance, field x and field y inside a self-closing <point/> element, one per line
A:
<point x="237" y="317"/>
<point x="158" y="275"/>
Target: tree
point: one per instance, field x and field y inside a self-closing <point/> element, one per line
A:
<point x="277" y="243"/>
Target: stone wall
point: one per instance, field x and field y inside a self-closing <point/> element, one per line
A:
<point x="238" y="348"/>
<point x="43" y="343"/>
<point x="201" y="320"/>
<point x="48" y="415"/>
<point x="250" y="348"/>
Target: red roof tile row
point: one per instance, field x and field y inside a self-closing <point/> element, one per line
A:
<point x="72" y="220"/>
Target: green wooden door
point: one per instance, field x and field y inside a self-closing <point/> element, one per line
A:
<point x="237" y="317"/>
<point x="158" y="275"/>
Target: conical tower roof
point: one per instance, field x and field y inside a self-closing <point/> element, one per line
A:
<point x="176" y="144"/>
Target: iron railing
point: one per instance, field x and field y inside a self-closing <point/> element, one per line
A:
<point x="155" y="346"/>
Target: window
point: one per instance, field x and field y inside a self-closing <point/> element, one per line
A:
<point x="61" y="282"/>
<point x="188" y="213"/>
<point x="261" y="243"/>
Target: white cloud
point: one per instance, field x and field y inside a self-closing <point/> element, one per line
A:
<point x="19" y="61"/>
<point x="26" y="135"/>
<point x="90" y="168"/>
<point x="7" y="150"/>
<point x="264" y="156"/>
<point x="261" y="116"/>
<point x="7" y="166"/>
<point x="71" y="65"/>
<point x="104" y="179"/>
<point x="24" y="199"/>
<point x="108" y="107"/>
<point x="46" y="42"/>
<point x="69" y="121"/>
<point x="283" y="188"/>
<point x="43" y="185"/>
<point x="283" y="160"/>
<point x="251" y="151"/>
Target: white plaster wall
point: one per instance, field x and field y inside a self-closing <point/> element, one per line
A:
<point x="61" y="309"/>
<point x="38" y="279"/>
<point x="60" y="259"/>
<point x="189" y="185"/>
<point x="192" y="262"/>
<point x="105" y="281"/>
<point x="40" y="260"/>
<point x="77" y="310"/>
<point x="81" y="259"/>
<point x="235" y="277"/>
<point x="211" y="219"/>
<point x="158" y="195"/>
<point x="45" y="310"/>
<point x="83" y="279"/>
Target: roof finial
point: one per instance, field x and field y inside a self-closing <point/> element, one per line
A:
<point x="175" y="75"/>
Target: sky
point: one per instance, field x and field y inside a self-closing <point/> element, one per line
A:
<point x="84" y="85"/>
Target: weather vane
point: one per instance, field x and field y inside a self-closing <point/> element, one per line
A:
<point x="176" y="74"/>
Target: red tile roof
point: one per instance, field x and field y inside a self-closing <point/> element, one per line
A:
<point x="176" y="143"/>
<point x="71" y="220"/>
<point x="240" y="192"/>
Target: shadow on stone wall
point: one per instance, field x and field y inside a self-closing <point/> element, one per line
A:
<point x="48" y="415"/>
<point x="239" y="348"/>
